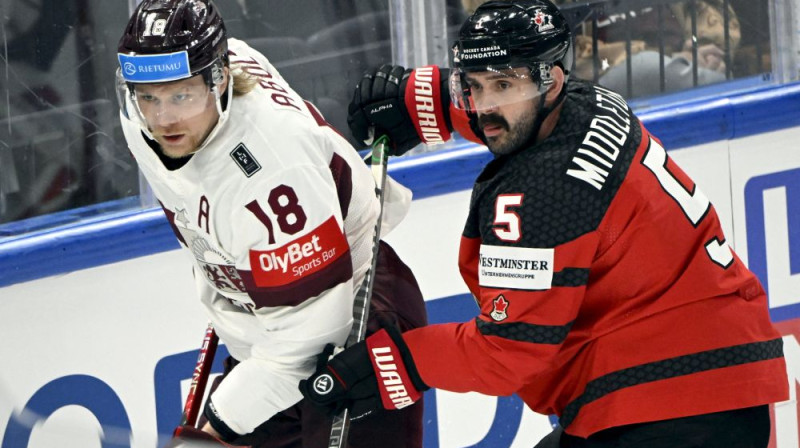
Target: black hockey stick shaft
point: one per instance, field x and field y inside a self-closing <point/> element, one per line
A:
<point x="202" y="370"/>
<point x="380" y="155"/>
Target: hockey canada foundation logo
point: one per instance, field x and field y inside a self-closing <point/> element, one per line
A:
<point x="500" y="305"/>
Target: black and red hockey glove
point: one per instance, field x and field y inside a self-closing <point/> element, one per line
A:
<point x="190" y="437"/>
<point x="377" y="373"/>
<point x="409" y="106"/>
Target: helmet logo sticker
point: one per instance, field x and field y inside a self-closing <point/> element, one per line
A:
<point x="154" y="67"/>
<point x="482" y="52"/>
<point x="129" y="68"/>
<point x="499" y="306"/>
<point x="545" y="75"/>
<point x="543" y="21"/>
<point x="217" y="75"/>
<point x="153" y="26"/>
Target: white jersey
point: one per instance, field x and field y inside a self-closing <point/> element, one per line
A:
<point x="278" y="211"/>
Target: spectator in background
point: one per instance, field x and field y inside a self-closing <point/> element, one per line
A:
<point x="471" y="5"/>
<point x="647" y="37"/>
<point x="676" y="39"/>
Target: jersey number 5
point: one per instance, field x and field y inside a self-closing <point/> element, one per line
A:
<point x="506" y="222"/>
<point x="285" y="206"/>
<point x="695" y="204"/>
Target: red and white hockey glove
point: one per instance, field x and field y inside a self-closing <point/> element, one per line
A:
<point x="377" y="373"/>
<point x="191" y="437"/>
<point x="410" y="106"/>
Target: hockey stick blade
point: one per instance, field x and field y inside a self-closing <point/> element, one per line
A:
<point x="202" y="370"/>
<point x="380" y="155"/>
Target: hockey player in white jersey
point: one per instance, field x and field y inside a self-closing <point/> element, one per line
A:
<point x="278" y="212"/>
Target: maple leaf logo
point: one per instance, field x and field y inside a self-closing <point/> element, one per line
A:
<point x="500" y="304"/>
<point x="539" y="17"/>
<point x="544" y="22"/>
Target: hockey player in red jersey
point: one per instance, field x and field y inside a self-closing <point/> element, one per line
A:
<point x="278" y="213"/>
<point x="609" y="295"/>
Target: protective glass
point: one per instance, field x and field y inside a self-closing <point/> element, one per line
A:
<point x="164" y="104"/>
<point x="492" y="87"/>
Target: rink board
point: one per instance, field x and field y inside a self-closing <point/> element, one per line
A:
<point x="111" y="345"/>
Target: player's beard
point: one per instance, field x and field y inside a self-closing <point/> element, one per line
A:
<point x="190" y="141"/>
<point x="186" y="135"/>
<point x="514" y="136"/>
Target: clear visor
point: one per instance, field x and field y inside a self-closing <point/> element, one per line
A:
<point x="161" y="106"/>
<point x="492" y="88"/>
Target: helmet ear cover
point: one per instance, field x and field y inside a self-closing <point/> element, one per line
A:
<point x="214" y="74"/>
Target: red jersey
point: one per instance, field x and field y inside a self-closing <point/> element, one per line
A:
<point x="608" y="293"/>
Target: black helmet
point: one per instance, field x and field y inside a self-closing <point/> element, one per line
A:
<point x="514" y="33"/>
<point x="190" y="30"/>
<point x="519" y="38"/>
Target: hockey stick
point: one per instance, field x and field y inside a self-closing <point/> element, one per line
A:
<point x="341" y="421"/>
<point x="202" y="369"/>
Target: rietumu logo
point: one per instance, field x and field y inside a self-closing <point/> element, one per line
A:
<point x="154" y="67"/>
<point x="129" y="68"/>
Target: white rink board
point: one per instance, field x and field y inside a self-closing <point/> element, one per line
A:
<point x="108" y="328"/>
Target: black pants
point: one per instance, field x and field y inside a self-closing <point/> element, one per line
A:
<point x="740" y="428"/>
<point x="396" y="300"/>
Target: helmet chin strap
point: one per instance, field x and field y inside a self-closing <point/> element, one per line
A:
<point x="542" y="113"/>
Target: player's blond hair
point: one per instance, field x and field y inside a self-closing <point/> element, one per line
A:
<point x="243" y="82"/>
